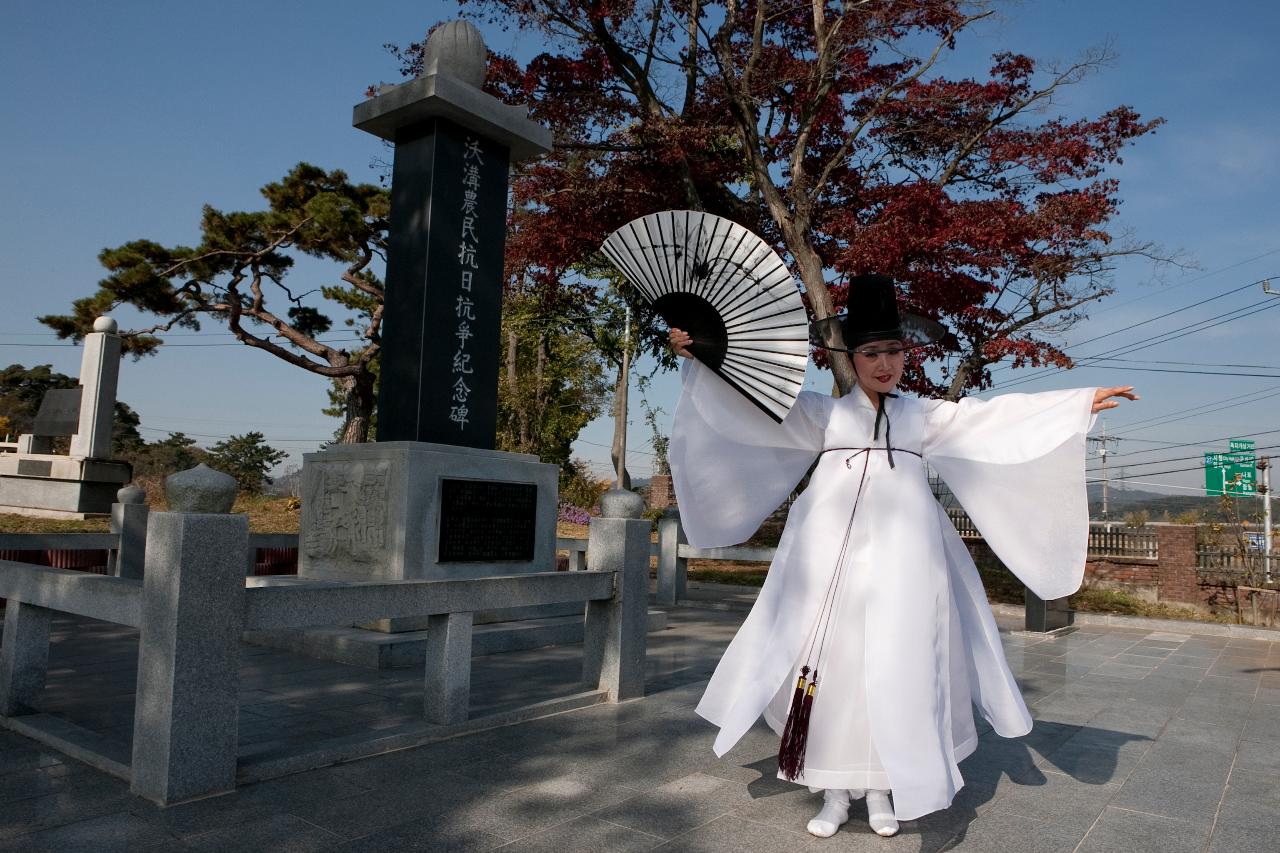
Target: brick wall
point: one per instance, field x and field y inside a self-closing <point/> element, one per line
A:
<point x="1178" y="579"/>
<point x="661" y="495"/>
<point x="1123" y="571"/>
<point x="1173" y="577"/>
<point x="1218" y="588"/>
<point x="1136" y="575"/>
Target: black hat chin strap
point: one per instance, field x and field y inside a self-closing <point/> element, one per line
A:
<point x="881" y="414"/>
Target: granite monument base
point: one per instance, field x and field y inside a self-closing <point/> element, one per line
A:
<point x="53" y="486"/>
<point x="406" y="510"/>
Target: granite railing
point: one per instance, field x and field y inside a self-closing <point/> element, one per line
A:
<point x="192" y="603"/>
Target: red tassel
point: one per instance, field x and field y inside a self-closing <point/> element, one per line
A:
<point x="795" y="735"/>
<point x="793" y="714"/>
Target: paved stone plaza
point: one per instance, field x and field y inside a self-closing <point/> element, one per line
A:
<point x="1144" y="741"/>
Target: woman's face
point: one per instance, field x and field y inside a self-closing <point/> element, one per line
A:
<point x="879" y="365"/>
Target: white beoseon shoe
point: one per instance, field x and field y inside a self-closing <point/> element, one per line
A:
<point x="880" y="814"/>
<point x="834" y="814"/>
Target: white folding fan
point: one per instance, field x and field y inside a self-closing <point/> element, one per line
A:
<point x="730" y="291"/>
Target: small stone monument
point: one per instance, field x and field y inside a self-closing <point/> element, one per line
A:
<point x="37" y="481"/>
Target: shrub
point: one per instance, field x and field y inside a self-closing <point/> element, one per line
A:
<point x="573" y="514"/>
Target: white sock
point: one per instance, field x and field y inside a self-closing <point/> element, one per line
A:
<point x="880" y="813"/>
<point x="834" y="814"/>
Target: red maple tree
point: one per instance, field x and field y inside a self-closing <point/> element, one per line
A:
<point x="828" y="128"/>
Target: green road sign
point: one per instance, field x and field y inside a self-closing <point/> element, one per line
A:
<point x="1233" y="472"/>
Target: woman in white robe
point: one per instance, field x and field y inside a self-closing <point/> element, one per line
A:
<point x="912" y="639"/>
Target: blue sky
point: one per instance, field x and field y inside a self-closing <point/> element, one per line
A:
<point x="124" y="118"/>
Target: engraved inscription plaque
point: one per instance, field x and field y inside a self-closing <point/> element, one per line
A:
<point x="59" y="413"/>
<point x="349" y="512"/>
<point x="484" y="521"/>
<point x="34" y="468"/>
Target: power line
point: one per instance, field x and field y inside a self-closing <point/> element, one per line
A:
<point x="168" y="345"/>
<point x="1173" y="446"/>
<point x="1165" y="337"/>
<point x="1183" y="284"/>
<point x="157" y="334"/>
<point x="1197" y="411"/>
<point x="1192" y="363"/>
<point x="1156" y="340"/>
<point x="1195" y="372"/>
<point x="1181" y="470"/>
<point x="1207" y="405"/>
<point x="1161" y="316"/>
<point x="609" y="447"/>
<point x="210" y="435"/>
<point x="1181" y="458"/>
<point x="1163" y="485"/>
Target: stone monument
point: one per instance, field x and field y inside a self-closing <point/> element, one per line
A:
<point x="37" y="481"/>
<point x="432" y="499"/>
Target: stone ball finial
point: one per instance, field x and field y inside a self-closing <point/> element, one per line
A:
<point x="105" y="324"/>
<point x="200" y="489"/>
<point x="456" y="48"/>
<point x="131" y="494"/>
<point x="621" y="503"/>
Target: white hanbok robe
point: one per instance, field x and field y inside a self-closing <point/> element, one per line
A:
<point x="913" y="642"/>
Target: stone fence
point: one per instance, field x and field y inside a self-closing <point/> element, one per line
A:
<point x="180" y="579"/>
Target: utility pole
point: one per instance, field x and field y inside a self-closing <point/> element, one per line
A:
<point x="1264" y="465"/>
<point x="1102" y="454"/>
<point x="1264" y="491"/>
<point x="622" y="399"/>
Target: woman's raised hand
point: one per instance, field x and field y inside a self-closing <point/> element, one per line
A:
<point x="680" y="341"/>
<point x="1101" y="397"/>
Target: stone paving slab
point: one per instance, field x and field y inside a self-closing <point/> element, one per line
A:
<point x="1145" y="740"/>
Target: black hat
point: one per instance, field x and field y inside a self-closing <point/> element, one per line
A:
<point x="871" y="314"/>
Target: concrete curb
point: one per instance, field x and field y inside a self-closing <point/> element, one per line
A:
<point x="1178" y="626"/>
<point x="743" y="594"/>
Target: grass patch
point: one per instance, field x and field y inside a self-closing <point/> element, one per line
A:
<point x="738" y="577"/>
<point x="1098" y="600"/>
<point x="728" y="571"/>
<point x="10" y="523"/>
<point x="267" y="514"/>
<point x="1004" y="588"/>
<point x="1001" y="586"/>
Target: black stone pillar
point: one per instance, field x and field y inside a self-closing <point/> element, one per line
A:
<point x="439" y="380"/>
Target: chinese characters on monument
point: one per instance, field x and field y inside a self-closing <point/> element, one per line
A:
<point x="468" y="253"/>
<point x="444" y="287"/>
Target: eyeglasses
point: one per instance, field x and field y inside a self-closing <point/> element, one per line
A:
<point x="872" y="354"/>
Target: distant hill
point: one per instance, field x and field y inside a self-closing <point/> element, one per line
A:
<point x="1161" y="507"/>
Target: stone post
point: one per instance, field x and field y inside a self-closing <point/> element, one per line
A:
<point x="129" y="519"/>
<point x="1042" y="616"/>
<point x="185" y="726"/>
<point x="24" y="656"/>
<point x="616" y="629"/>
<point x="673" y="570"/>
<point x="447" y="686"/>
<point x="99" y="374"/>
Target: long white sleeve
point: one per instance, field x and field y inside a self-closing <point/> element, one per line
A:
<point x="731" y="464"/>
<point x="1017" y="465"/>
